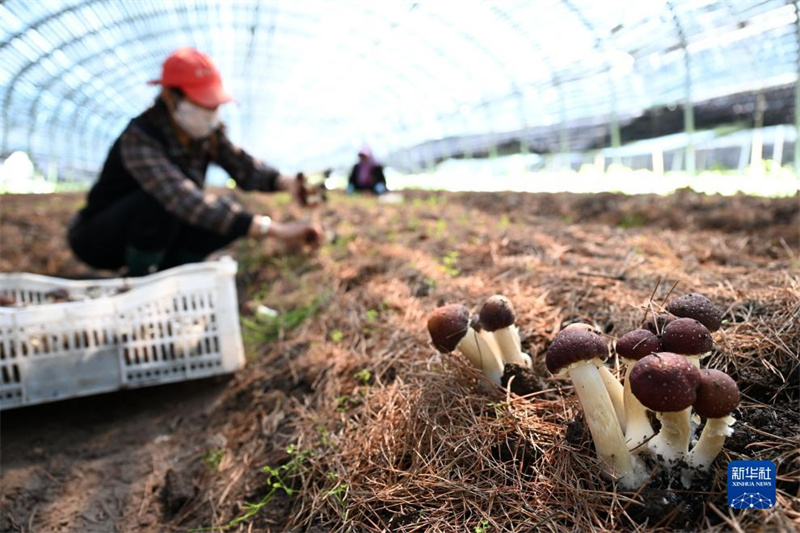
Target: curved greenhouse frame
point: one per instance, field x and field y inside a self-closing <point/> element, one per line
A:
<point x="419" y="80"/>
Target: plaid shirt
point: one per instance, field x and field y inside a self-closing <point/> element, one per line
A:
<point x="173" y="170"/>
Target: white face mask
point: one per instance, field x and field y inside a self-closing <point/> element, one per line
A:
<point x="198" y="122"/>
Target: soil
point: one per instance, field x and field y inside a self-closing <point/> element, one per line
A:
<point x="176" y="457"/>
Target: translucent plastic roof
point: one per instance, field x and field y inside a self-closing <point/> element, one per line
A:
<point x="316" y="79"/>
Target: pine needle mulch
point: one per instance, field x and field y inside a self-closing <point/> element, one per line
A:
<point x="346" y="418"/>
<point x="376" y="431"/>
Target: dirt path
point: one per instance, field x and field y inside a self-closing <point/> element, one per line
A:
<point x="100" y="464"/>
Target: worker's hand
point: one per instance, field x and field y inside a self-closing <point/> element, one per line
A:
<point x="296" y="185"/>
<point x="296" y="232"/>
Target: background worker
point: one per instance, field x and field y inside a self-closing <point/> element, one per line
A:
<point x="367" y="174"/>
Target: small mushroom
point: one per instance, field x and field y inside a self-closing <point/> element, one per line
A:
<point x="613" y="386"/>
<point x="656" y="324"/>
<point x="7" y="300"/>
<point x="579" y="352"/>
<point x="631" y="347"/>
<point x="667" y="383"/>
<point x="497" y="317"/>
<point x="687" y="337"/>
<point x="449" y="328"/>
<point x="717" y="397"/>
<point x="696" y="306"/>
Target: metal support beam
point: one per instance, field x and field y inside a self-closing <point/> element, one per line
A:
<point x="487" y="109"/>
<point x="616" y="136"/>
<point x="563" y="132"/>
<point x="797" y="94"/>
<point x="688" y="109"/>
<point x="523" y="112"/>
<point x="688" y="119"/>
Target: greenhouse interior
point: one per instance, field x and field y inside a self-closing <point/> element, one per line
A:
<point x="399" y="266"/>
<point x="530" y="92"/>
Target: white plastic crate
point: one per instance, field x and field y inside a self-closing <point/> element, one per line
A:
<point x="174" y="325"/>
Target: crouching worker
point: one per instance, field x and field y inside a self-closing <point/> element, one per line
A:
<point x="148" y="211"/>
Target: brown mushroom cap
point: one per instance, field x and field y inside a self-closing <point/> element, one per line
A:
<point x="583" y="326"/>
<point x="7" y="300"/>
<point x="665" y="382"/>
<point x="475" y="322"/>
<point x="696" y="306"/>
<point x="447" y="326"/>
<point x="657" y="324"/>
<point x="717" y="394"/>
<point x="572" y="345"/>
<point x="686" y="336"/>
<point x="497" y="313"/>
<point x="637" y="344"/>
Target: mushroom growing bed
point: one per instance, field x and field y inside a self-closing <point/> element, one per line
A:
<point x="366" y="426"/>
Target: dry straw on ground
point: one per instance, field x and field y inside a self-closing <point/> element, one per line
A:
<point x="426" y="444"/>
<point x="370" y="429"/>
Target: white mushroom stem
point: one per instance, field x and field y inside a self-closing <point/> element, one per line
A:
<point x="710" y="443"/>
<point x="637" y="425"/>
<point x="604" y="426"/>
<point x="694" y="420"/>
<point x="481" y="355"/>
<point x="672" y="442"/>
<point x="615" y="393"/>
<point x="526" y="358"/>
<point x="508" y="342"/>
<point x="489" y="339"/>
<point x="515" y="332"/>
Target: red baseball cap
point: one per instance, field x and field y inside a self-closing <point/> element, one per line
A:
<point x="195" y="74"/>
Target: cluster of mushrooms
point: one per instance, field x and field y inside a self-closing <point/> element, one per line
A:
<point x="489" y="340"/>
<point x="663" y="375"/>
